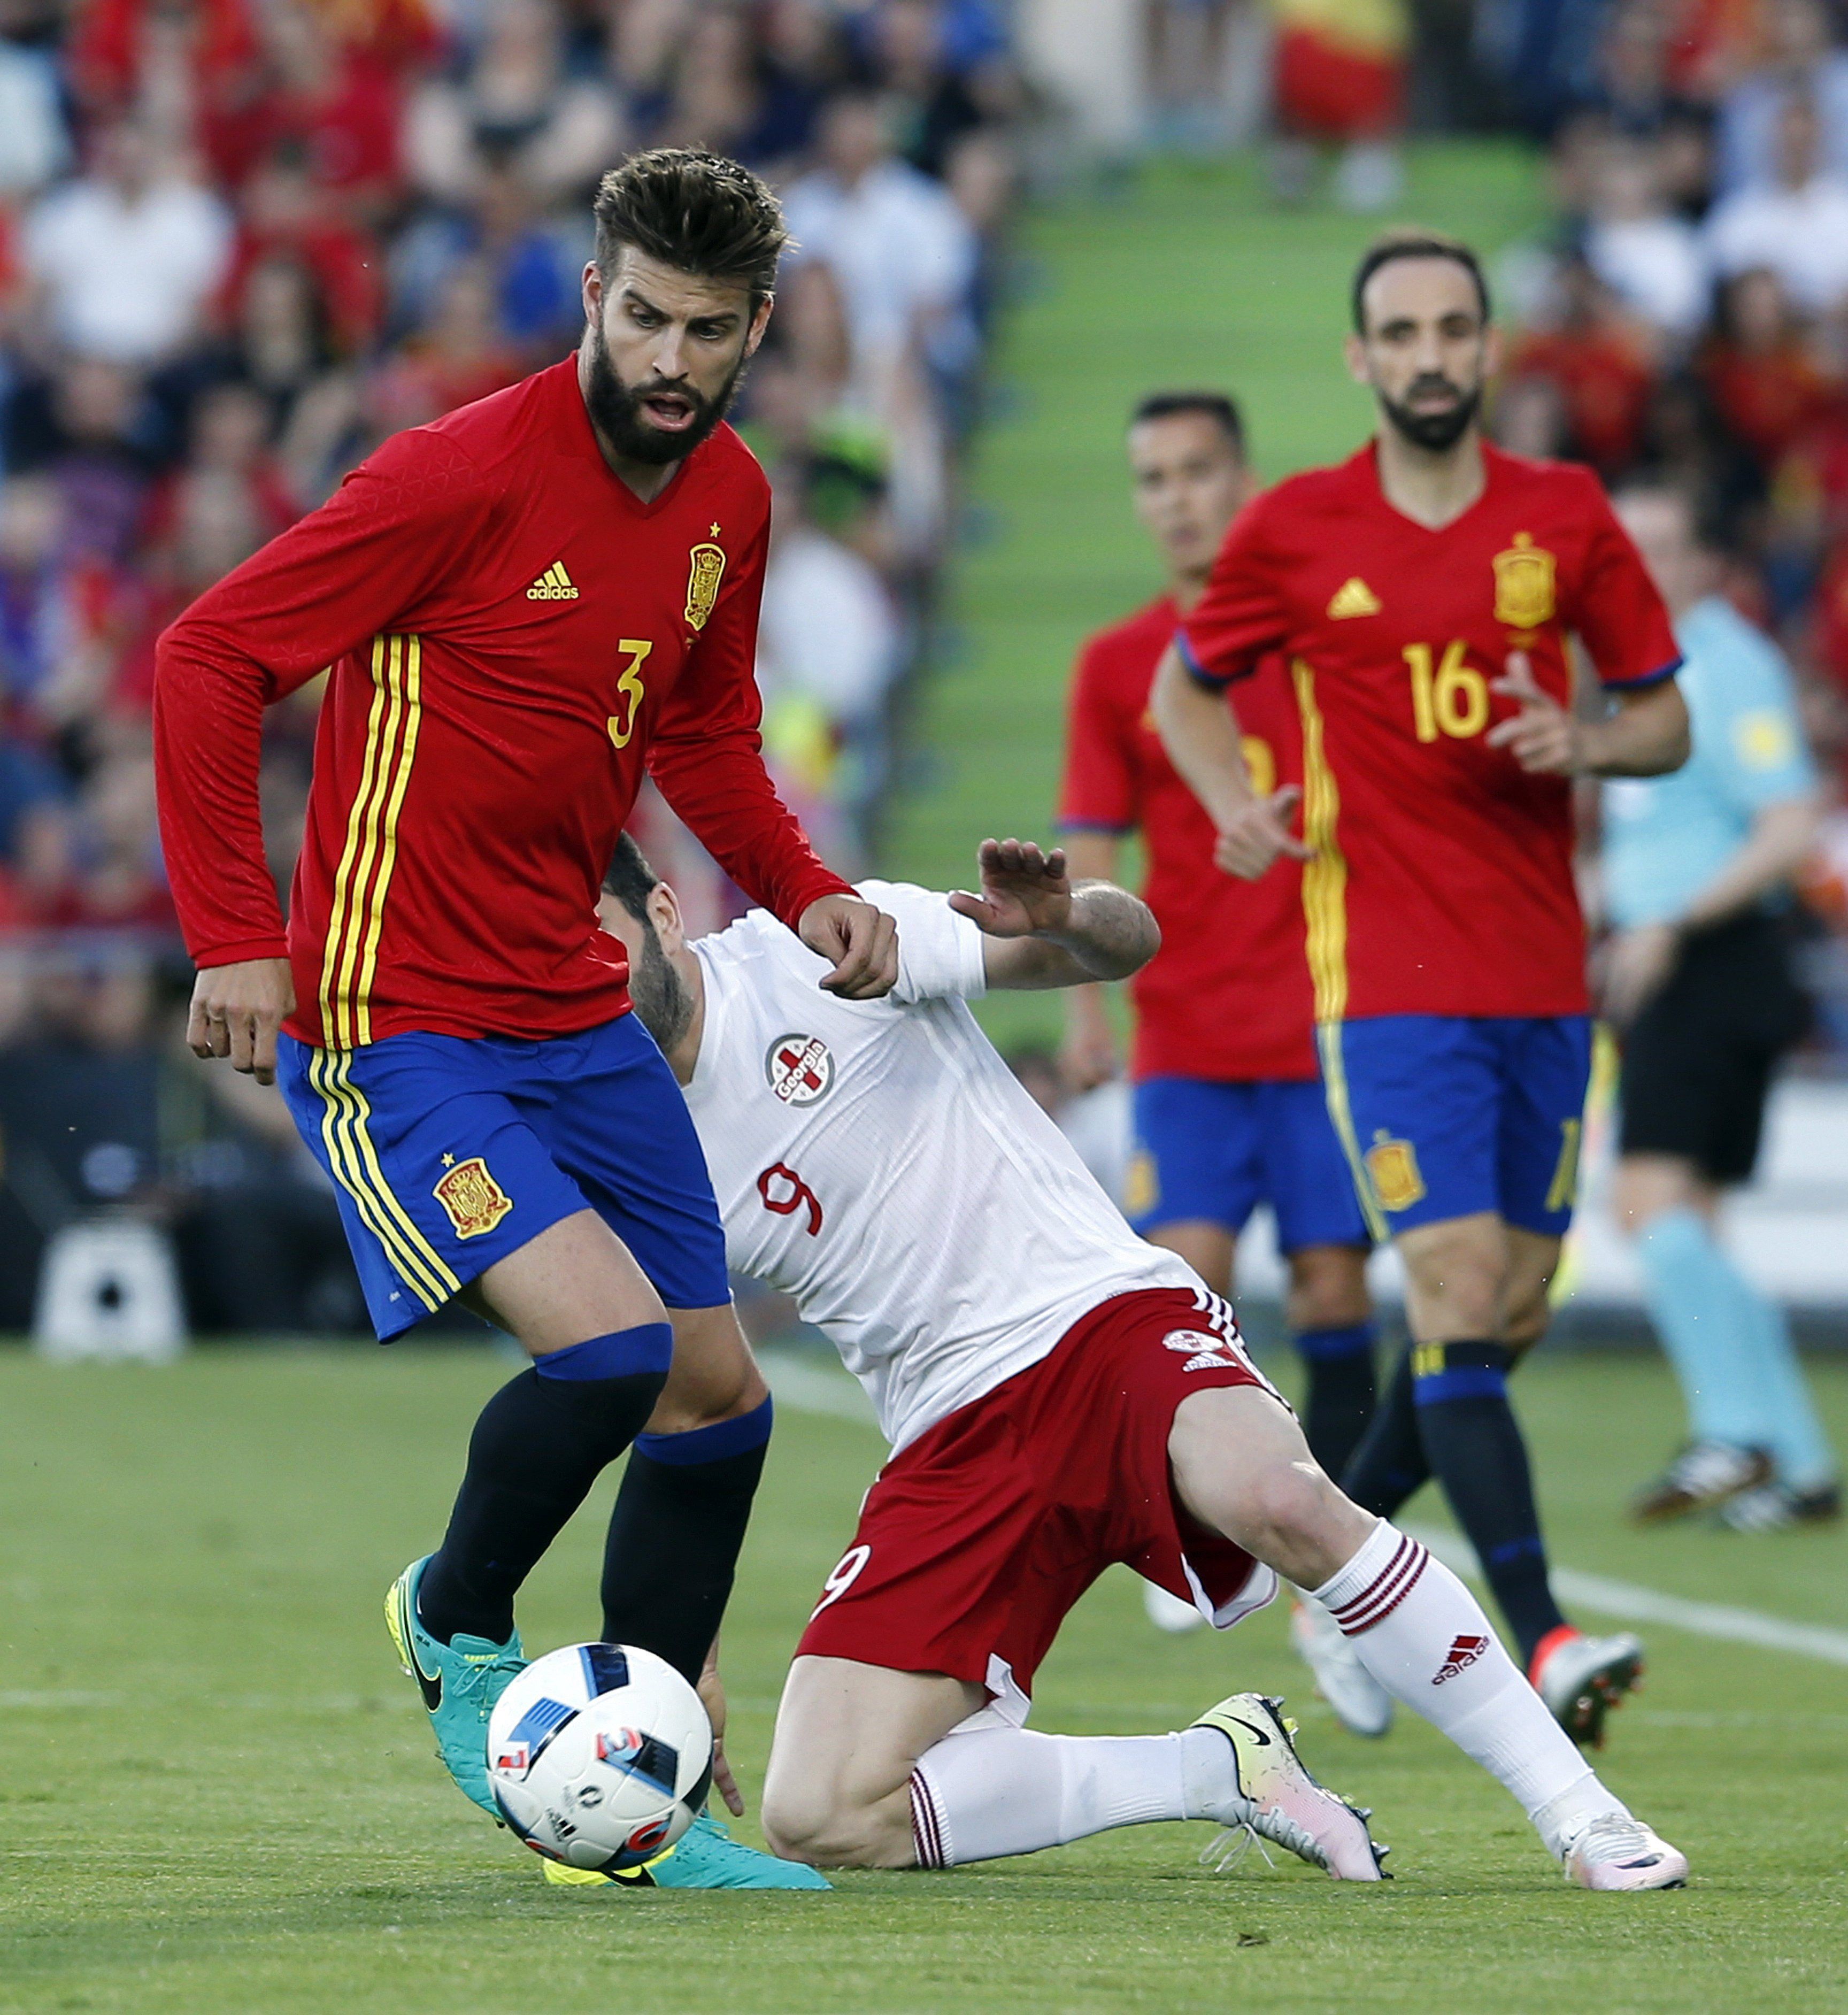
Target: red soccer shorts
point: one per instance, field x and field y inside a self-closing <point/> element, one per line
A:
<point x="979" y="1536"/>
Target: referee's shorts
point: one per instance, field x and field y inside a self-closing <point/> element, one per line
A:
<point x="1698" y="1060"/>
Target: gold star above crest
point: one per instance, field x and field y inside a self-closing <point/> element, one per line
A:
<point x="714" y="533"/>
<point x="449" y="1161"/>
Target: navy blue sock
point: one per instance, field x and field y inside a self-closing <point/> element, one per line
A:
<point x="1389" y="1464"/>
<point x="539" y="1444"/>
<point x="675" y="1534"/>
<point x="1477" y="1450"/>
<point x="1339" y="1362"/>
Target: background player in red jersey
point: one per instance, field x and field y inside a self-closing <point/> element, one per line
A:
<point x="521" y="606"/>
<point x="1228" y="1095"/>
<point x="1425" y="594"/>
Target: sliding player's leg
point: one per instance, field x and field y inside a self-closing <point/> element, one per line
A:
<point x="1242" y="1469"/>
<point x="874" y="1768"/>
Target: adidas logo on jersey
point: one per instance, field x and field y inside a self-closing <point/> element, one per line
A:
<point x="1353" y="598"/>
<point x="553" y="585"/>
<point x="1207" y="1351"/>
<point x="1464" y="1652"/>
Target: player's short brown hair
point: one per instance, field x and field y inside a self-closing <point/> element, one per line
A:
<point x="697" y="212"/>
<point x="1416" y="244"/>
<point x="631" y="879"/>
<point x="1220" y="407"/>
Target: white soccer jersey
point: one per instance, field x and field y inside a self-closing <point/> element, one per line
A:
<point x="877" y="1160"/>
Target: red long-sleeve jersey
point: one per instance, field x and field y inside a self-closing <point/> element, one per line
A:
<point x="511" y="635"/>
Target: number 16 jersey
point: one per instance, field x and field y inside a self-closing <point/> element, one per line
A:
<point x="1441" y="882"/>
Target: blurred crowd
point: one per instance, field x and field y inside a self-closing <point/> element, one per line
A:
<point x="241" y="242"/>
<point x="1689" y="320"/>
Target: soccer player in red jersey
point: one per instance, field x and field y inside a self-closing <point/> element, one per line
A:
<point x="1228" y="1096"/>
<point x="1424" y="593"/>
<point x="520" y="607"/>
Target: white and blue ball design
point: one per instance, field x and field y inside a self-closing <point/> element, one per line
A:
<point x="600" y="1755"/>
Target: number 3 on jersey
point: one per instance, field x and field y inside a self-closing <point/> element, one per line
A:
<point x="629" y="692"/>
<point x="1450" y="698"/>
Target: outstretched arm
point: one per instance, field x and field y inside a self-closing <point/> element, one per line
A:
<point x="1044" y="930"/>
<point x="1200" y="732"/>
<point x="1645" y="734"/>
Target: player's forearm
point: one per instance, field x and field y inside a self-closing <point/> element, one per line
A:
<point x="1110" y="933"/>
<point x="208" y="751"/>
<point x="1780" y="839"/>
<point x="1646" y="736"/>
<point x="1200" y="732"/>
<point x="719" y="787"/>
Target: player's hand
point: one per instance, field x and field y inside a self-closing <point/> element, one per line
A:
<point x="236" y="1011"/>
<point x="1025" y="892"/>
<point x="1543" y="738"/>
<point x="1259" y="834"/>
<point x="711" y="1697"/>
<point x="862" y="941"/>
<point x="1636" y="963"/>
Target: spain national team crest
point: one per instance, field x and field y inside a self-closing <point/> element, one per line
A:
<point x="705" y="569"/>
<point x="1524" y="596"/>
<point x="800" y="1069"/>
<point x="1392" y="1169"/>
<point x="475" y="1201"/>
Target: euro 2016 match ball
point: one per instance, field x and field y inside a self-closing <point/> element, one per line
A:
<point x="600" y="1756"/>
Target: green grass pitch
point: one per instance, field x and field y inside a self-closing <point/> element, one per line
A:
<point x="217" y="1793"/>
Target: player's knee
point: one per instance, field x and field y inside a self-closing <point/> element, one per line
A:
<point x="1328" y="1288"/>
<point x="816" y="1823"/>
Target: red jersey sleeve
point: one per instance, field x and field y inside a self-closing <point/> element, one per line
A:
<point x="1240" y="617"/>
<point x="358" y="565"/>
<point x="1098" y="792"/>
<point x="707" y="757"/>
<point x="1618" y="614"/>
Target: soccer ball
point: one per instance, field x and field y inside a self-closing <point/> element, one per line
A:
<point x="600" y="1756"/>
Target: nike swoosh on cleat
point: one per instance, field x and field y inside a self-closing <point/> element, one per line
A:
<point x="429" y="1685"/>
<point x="1240" y="1721"/>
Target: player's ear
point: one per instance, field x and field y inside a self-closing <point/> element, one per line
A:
<point x="1492" y="351"/>
<point x="759" y="323"/>
<point x="664" y="914"/>
<point x="1355" y="352"/>
<point x="593" y="294"/>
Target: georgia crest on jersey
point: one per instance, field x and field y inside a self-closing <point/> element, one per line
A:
<point x="878" y="1160"/>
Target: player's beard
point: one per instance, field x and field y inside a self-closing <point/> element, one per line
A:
<point x="660" y="996"/>
<point x="1433" y="431"/>
<point x="616" y="410"/>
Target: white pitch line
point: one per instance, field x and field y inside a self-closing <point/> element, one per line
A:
<point x="1631" y="1603"/>
<point x="806" y="1388"/>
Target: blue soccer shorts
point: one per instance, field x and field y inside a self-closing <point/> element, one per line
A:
<point x="1444" y="1115"/>
<point x="1210" y="1153"/>
<point x="448" y="1153"/>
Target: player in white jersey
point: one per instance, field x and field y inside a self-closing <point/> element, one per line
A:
<point x="1060" y="1396"/>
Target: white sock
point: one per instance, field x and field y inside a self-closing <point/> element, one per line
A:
<point x="992" y="1791"/>
<point x="1424" y="1637"/>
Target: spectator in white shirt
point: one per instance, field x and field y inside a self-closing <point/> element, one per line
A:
<point x="1797" y="227"/>
<point x="1648" y="256"/>
<point x="126" y="256"/>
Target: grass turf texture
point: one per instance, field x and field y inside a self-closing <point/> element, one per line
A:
<point x="1185" y="277"/>
<point x="217" y="1793"/>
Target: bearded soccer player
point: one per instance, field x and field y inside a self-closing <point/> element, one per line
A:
<point x="1424" y="593"/>
<point x="1228" y="1095"/>
<point x="522" y="607"/>
<point x="1060" y="1394"/>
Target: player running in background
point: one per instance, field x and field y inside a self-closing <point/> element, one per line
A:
<point x="1695" y="869"/>
<point x="523" y="606"/>
<point x="1229" y="1109"/>
<point x="1424" y="593"/>
<point x="1061" y="1395"/>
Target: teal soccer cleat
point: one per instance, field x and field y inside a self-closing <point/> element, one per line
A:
<point x="705" y="1857"/>
<point x="460" y="1682"/>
